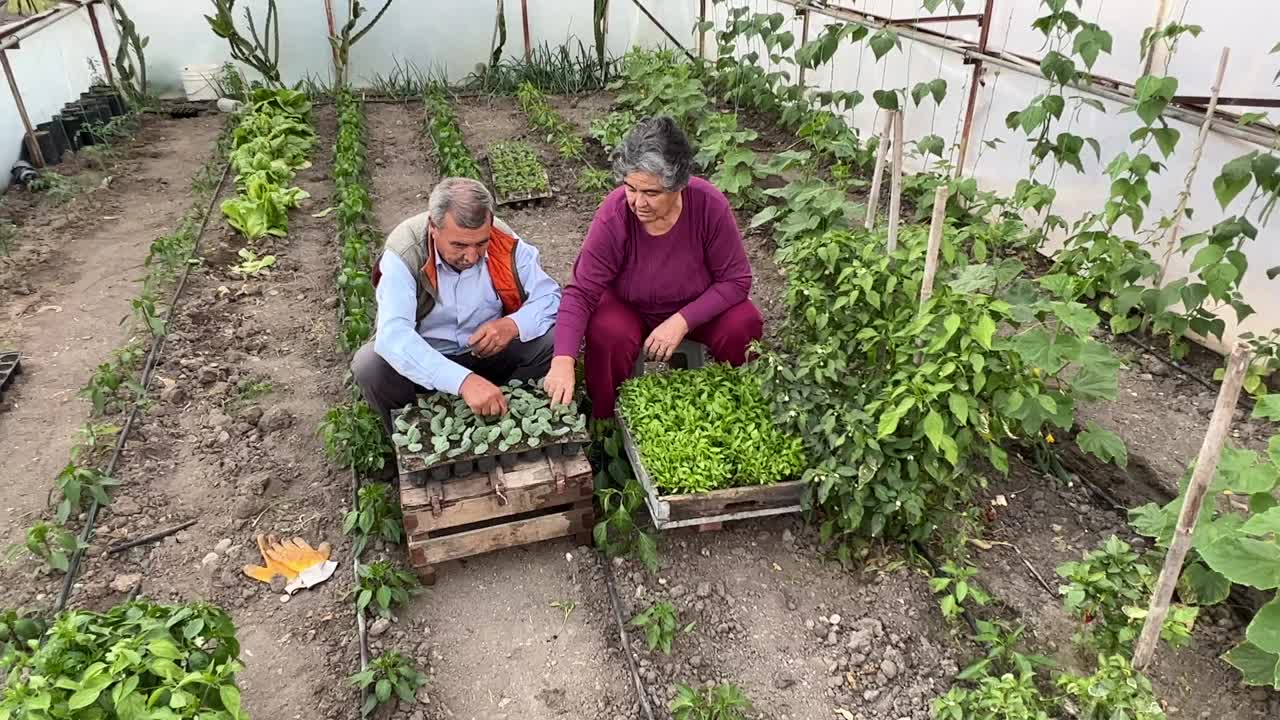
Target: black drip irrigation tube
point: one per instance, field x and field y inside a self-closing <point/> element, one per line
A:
<point x="148" y="367"/>
<point x="616" y="605"/>
<point x="362" y="629"/>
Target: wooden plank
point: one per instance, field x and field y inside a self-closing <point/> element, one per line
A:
<point x="474" y="542"/>
<point x="519" y="500"/>
<point x="734" y="500"/>
<point x="525" y="474"/>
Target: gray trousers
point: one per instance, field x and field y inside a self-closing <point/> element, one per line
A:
<point x="386" y="390"/>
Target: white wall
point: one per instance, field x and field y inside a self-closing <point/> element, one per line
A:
<point x="51" y="69"/>
<point x="1004" y="91"/>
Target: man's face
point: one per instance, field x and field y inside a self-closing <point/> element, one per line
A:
<point x="460" y="247"/>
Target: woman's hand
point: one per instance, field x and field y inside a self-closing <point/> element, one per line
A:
<point x="665" y="338"/>
<point x="560" y="380"/>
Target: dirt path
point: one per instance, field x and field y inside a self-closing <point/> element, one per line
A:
<point x="65" y="292"/>
<point x="249" y="372"/>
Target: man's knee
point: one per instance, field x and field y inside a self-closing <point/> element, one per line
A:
<point x="367" y="367"/>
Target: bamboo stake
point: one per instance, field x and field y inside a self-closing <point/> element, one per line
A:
<point x="1185" y="197"/>
<point x="895" y="191"/>
<point x="877" y="178"/>
<point x="936" y="225"/>
<point x="1206" y="466"/>
<point x="804" y="38"/>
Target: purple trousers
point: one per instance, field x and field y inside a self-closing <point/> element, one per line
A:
<point x="615" y="338"/>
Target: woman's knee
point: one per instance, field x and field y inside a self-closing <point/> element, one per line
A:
<point x="614" y="326"/>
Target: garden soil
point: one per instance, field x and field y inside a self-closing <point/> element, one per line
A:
<point x="65" y="292"/>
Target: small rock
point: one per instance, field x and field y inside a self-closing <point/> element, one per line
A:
<point x="125" y="582"/>
<point x="223" y="546"/>
<point x="870" y="695"/>
<point x="787" y="536"/>
<point x="704" y="590"/>
<point x="379" y="626"/>
<point x="834" y="619"/>
<point x="174" y="395"/>
<point x="820" y="631"/>
<point x="277" y="418"/>
<point x="217" y="419"/>
<point x="125" y="507"/>
<point x="422" y="696"/>
<point x="251" y="414"/>
<point x="210" y="559"/>
<point x="208" y="375"/>
<point x="278" y="583"/>
<point x="783" y="680"/>
<point x="889" y="668"/>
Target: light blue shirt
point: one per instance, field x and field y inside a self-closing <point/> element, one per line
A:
<point x="466" y="301"/>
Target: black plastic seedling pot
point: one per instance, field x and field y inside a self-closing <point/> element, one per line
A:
<point x="463" y="468"/>
<point x="440" y="472"/>
<point x="486" y="464"/>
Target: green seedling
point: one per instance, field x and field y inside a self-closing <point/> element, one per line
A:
<point x="565" y="606"/>
<point x="79" y="484"/>
<point x="1115" y="690"/>
<point x="388" y="674"/>
<point x="353" y="437"/>
<point x="93" y="439"/>
<point x="50" y="544"/>
<point x="659" y="624"/>
<point x="516" y="169"/>
<point x="382" y="587"/>
<point x="595" y="182"/>
<point x="722" y="702"/>
<point x="252" y="265"/>
<point x="375" y="514"/>
<point x="610" y="130"/>
<point x="957" y="587"/>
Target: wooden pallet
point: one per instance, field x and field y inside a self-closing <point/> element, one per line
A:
<point x="709" y="510"/>
<point x="538" y="500"/>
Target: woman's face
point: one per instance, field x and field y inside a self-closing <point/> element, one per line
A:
<point x="647" y="198"/>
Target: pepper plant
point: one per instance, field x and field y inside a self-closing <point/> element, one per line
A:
<point x="388" y="674"/>
<point x="517" y="172"/>
<point x="381" y="587"/>
<point x="375" y="515"/>
<point x="454" y="158"/>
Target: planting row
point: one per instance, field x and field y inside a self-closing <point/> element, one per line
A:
<point x="270" y="145"/>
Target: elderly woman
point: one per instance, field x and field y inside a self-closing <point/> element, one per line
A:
<point x="662" y="261"/>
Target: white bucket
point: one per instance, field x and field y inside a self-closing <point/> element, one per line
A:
<point x="200" y="82"/>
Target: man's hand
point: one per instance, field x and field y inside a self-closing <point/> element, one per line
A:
<point x="482" y="396"/>
<point x="560" y="380"/>
<point x="493" y="337"/>
<point x="663" y="340"/>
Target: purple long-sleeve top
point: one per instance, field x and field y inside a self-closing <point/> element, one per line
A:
<point x="698" y="268"/>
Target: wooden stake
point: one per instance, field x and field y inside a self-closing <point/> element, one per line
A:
<point x="1185" y="198"/>
<point x="702" y="34"/>
<point x="877" y="178"/>
<point x="804" y="38"/>
<point x="895" y="190"/>
<point x="1206" y="466"/>
<point x="936" y="225"/>
<point x="524" y="23"/>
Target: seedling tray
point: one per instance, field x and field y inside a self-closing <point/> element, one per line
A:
<point x="716" y="506"/>
<point x="520" y="196"/>
<point x="10" y="367"/>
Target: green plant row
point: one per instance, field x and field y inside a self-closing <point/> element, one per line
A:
<point x="517" y="172"/>
<point x="707" y="429"/>
<point x="268" y="147"/>
<point x="443" y="428"/>
<point x="454" y="158"/>
<point x="136" y="660"/>
<point x="562" y="133"/>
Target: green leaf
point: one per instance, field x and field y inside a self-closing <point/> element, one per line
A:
<point x="1058" y="68"/>
<point x="230" y="696"/>
<point x="934" y="429"/>
<point x="959" y="407"/>
<point x="984" y="331"/>
<point x="1166" y="139"/>
<point x="998" y="457"/>
<point x="1263" y="523"/>
<point x="882" y="42"/>
<point x="1244" y="560"/>
<point x="1201" y="586"/>
<point x="886" y="99"/>
<point x="1264" y="631"/>
<point x="1235" y="177"/>
<point x="84" y="697"/>
<point x="1267" y="407"/>
<point x="1259" y="667"/>
<point x="1103" y="444"/>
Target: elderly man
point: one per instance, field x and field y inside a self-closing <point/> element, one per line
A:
<point x="463" y="306"/>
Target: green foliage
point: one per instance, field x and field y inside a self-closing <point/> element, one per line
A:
<point x="517" y="171"/>
<point x="58" y="188"/>
<point x="49" y="543"/>
<point x="268" y="146"/>
<point x="443" y="428"/>
<point x="725" y="701"/>
<point x="262" y="53"/>
<point x="895" y="400"/>
<point x="357" y="301"/>
<point x="17" y="630"/>
<point x="452" y="155"/>
<point x="78" y="485"/>
<point x="136" y="660"/>
<point x="957" y="587"/>
<point x="1114" y="692"/>
<point x="375" y="515"/>
<point x="610" y="130"/>
<point x="387" y="674"/>
<point x="659" y="624"/>
<point x="1230" y="546"/>
<point x="1108" y="591"/>
<point x="620" y="496"/>
<point x="111" y="386"/>
<point x="653" y="83"/>
<point x="1007" y="697"/>
<point x="542" y="116"/>
<point x="353" y="436"/>
<point x="1001" y="642"/>
<point x="706" y="429"/>
<point x="381" y="586"/>
<point x="595" y="182"/>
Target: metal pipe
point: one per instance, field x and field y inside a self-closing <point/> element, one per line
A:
<point x="1259" y="135"/>
<point x="16" y="35"/>
<point x="974" y="81"/>
<point x="664" y="30"/>
<point x="936" y="19"/>
<point x="102" y="46"/>
<point x="33" y="146"/>
<point x="702" y="31"/>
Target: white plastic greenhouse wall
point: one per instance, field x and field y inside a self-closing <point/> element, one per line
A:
<point x="452" y="37"/>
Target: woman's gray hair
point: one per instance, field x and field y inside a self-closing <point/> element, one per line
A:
<point x="656" y="146"/>
<point x="468" y="200"/>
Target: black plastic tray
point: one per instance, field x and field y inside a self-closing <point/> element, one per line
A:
<point x="462" y="468"/>
<point x="10" y="367"/>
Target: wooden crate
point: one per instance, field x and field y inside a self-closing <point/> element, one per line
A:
<point x="537" y="500"/>
<point x="708" y="510"/>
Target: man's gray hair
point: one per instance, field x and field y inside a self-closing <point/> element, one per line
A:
<point x="656" y="146"/>
<point x="469" y="201"/>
